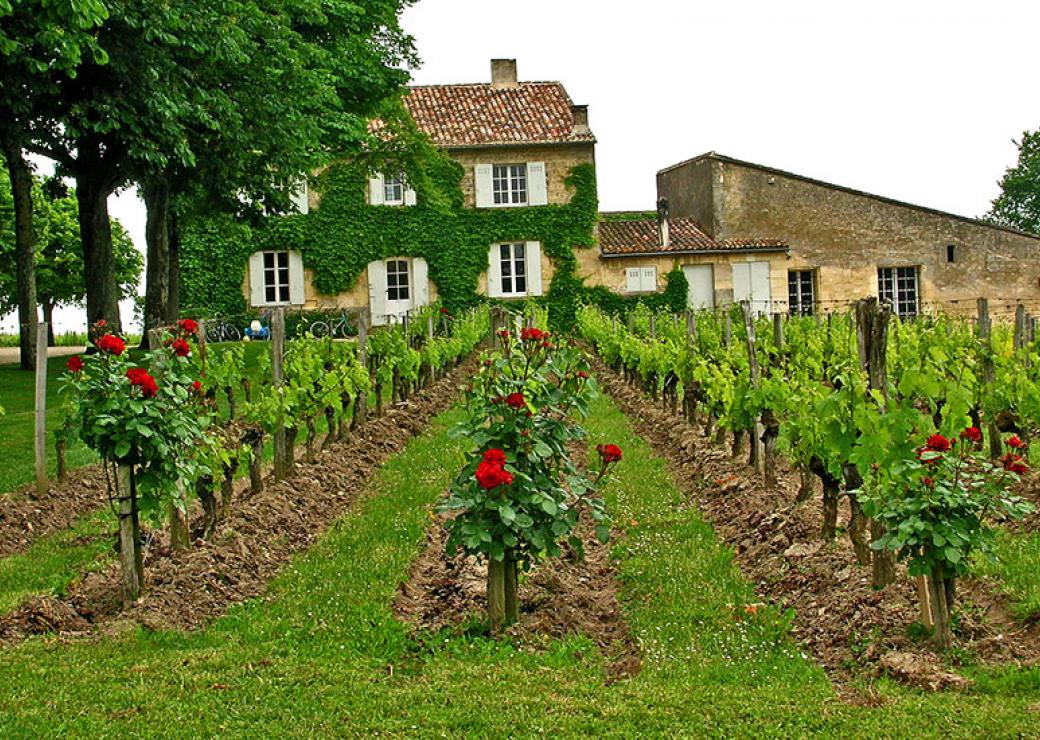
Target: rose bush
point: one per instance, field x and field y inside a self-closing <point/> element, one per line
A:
<point x="520" y="495"/>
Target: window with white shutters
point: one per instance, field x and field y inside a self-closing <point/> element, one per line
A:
<point x="800" y="294"/>
<point x="513" y="267"/>
<point x="899" y="285"/>
<point x="397" y="284"/>
<point x="276" y="277"/>
<point x="393" y="189"/>
<point x="509" y="184"/>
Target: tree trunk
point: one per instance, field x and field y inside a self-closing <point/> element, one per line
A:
<point x="47" y="307"/>
<point x="156" y="194"/>
<point x="884" y="571"/>
<point x="172" y="309"/>
<point x="496" y="594"/>
<point x="24" y="252"/>
<point x="512" y="607"/>
<point x="942" y="636"/>
<point x="99" y="268"/>
<point x="130" y="557"/>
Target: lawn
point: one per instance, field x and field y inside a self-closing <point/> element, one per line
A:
<point x="323" y="655"/>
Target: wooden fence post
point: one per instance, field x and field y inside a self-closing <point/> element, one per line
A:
<point x="429" y="338"/>
<point x="727" y="335"/>
<point x="989" y="373"/>
<point x="757" y="430"/>
<point x="281" y="450"/>
<point x="361" y="404"/>
<point x="41" y="409"/>
<point x="201" y="338"/>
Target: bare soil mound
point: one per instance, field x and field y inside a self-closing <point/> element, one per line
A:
<point x="848" y="626"/>
<point x="187" y="589"/>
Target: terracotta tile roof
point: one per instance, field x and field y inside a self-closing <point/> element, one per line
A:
<point x="640" y="236"/>
<point x="478" y="115"/>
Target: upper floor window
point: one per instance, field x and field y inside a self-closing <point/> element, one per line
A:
<point x="899" y="285"/>
<point x="509" y="184"/>
<point x="393" y="189"/>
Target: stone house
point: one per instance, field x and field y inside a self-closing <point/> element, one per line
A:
<point x="846" y="244"/>
<point x="516" y="142"/>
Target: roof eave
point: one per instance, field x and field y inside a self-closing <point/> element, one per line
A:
<point x="731" y="250"/>
<point x="515" y="144"/>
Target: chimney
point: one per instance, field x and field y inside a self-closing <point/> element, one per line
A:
<point x="580" y="114"/>
<point x="662" y="221"/>
<point x="503" y="74"/>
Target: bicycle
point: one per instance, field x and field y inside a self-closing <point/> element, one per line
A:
<point x="222" y="331"/>
<point x="338" y="328"/>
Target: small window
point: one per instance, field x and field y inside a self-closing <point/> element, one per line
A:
<point x="951" y="253"/>
<point x="801" y="297"/>
<point x="513" y="264"/>
<point x="397" y="280"/>
<point x="899" y="285"/>
<point x="641" y="279"/>
<point x="276" y="277"/>
<point x="393" y="189"/>
<point x="509" y="184"/>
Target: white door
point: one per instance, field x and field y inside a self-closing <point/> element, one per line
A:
<point x="701" y="282"/>
<point x="751" y="283"/>
<point x="399" y="288"/>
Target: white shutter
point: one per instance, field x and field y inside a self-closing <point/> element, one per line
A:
<point x="297" y="295"/>
<point x="377" y="292"/>
<point x="537" y="189"/>
<point x="409" y="197"/>
<point x="375" y="190"/>
<point x="257" y="295"/>
<point x="421" y="283"/>
<point x="482" y="186"/>
<point x="648" y="280"/>
<point x="533" y="254"/>
<point x="761" y="295"/>
<point x="299" y="196"/>
<point x="632" y="279"/>
<point x="494" y="273"/>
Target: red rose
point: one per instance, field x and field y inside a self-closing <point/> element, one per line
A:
<point x="140" y="378"/>
<point x="938" y="443"/>
<point x="1014" y="463"/>
<point x="189" y="326"/>
<point x="504" y="333"/>
<point x="196" y="386"/>
<point x="112" y="344"/>
<point x="533" y="335"/>
<point x="1014" y="442"/>
<point x="74" y="364"/>
<point x="583" y="375"/>
<point x="491" y="475"/>
<point x="928" y="482"/>
<point x="516" y="400"/>
<point x="609" y="453"/>
<point x="181" y="348"/>
<point x="972" y="434"/>
<point x="495" y="456"/>
<point x="444" y="311"/>
<point x="101" y="324"/>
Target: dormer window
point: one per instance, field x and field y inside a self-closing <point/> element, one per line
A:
<point x="393" y="189"/>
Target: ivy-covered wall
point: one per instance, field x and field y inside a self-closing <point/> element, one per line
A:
<point x="340" y="237"/>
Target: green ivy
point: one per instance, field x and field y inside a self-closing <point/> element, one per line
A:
<point x="338" y="239"/>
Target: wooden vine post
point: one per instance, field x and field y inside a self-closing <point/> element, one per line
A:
<point x="429" y="339"/>
<point x="989" y="373"/>
<point x="361" y="402"/>
<point x="180" y="539"/>
<point x="770" y="424"/>
<point x="872" y="341"/>
<point x="281" y="447"/>
<point x="755" y="373"/>
<point x="131" y="558"/>
<point x="41" y="409"/>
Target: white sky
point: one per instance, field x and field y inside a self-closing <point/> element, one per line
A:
<point x="917" y="100"/>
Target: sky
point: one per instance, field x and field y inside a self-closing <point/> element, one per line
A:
<point x="916" y="100"/>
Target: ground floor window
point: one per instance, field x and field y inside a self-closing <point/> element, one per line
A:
<point x="276" y="277"/>
<point x="513" y="264"/>
<point x="801" y="296"/>
<point x="397" y="280"/>
<point x="899" y="285"/>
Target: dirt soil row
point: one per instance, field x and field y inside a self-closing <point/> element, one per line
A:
<point x="185" y="590"/>
<point x="848" y="626"/>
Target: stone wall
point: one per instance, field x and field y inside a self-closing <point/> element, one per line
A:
<point x="845" y="235"/>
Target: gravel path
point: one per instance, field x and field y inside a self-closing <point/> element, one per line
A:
<point x="9" y="355"/>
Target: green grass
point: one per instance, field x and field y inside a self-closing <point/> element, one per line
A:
<point x="1016" y="568"/>
<point x="53" y="562"/>
<point x="323" y="655"/>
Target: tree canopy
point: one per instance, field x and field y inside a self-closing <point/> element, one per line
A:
<point x="1018" y="204"/>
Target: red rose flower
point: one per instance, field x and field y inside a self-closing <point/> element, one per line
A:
<point x="1014" y="442"/>
<point x="938" y="443"/>
<point x="495" y="456"/>
<point x="516" y="400"/>
<point x="112" y="344"/>
<point x="1014" y="463"/>
<point x="444" y="310"/>
<point x="181" y="348"/>
<point x="140" y="378"/>
<point x="609" y="453"/>
<point x="504" y="333"/>
<point x="491" y="475"/>
<point x="74" y="364"/>
<point x="972" y="434"/>
<point x="196" y="386"/>
<point x="928" y="482"/>
<point x="189" y="326"/>
<point x="583" y="375"/>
